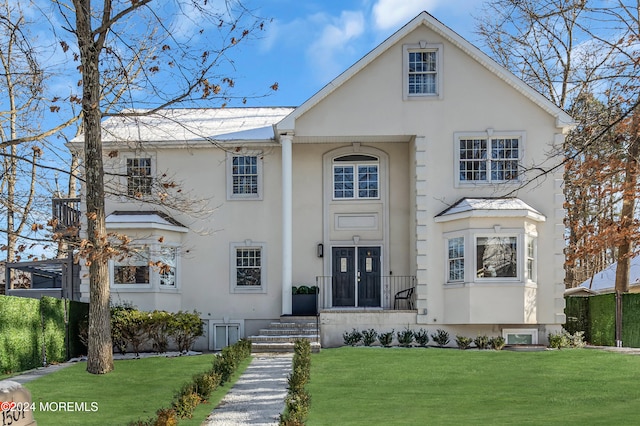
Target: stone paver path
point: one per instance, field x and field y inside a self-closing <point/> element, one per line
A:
<point x="258" y="396"/>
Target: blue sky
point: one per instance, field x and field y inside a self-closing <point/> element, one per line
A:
<point x="309" y="43"/>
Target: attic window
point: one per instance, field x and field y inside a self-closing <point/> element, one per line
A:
<point x="422" y="71"/>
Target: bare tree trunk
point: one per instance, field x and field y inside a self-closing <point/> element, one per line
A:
<point x="100" y="355"/>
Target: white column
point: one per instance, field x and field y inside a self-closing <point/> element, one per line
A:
<point x="287" y="224"/>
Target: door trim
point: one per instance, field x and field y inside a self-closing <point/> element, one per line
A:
<point x="356" y="260"/>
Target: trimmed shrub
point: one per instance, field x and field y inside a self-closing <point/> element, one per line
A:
<point x="577" y="312"/>
<point x="129" y="327"/>
<point x="440" y="338"/>
<point x="185" y="328"/>
<point x="20" y="334"/>
<point x="157" y="329"/>
<point x="481" y="342"/>
<point x="405" y="338"/>
<point x="422" y="337"/>
<point x="186" y="402"/>
<point x="226" y="362"/>
<point x="386" y="339"/>
<point x="53" y="325"/>
<point x="298" y="399"/>
<point x="78" y="313"/>
<point x="497" y="343"/>
<point x="463" y="342"/>
<point x="602" y="319"/>
<point x="566" y="340"/>
<point x="205" y="383"/>
<point x="630" y="320"/>
<point x="352" y="338"/>
<point x="369" y="337"/>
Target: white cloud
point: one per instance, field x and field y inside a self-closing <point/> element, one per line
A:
<point x="390" y="14"/>
<point x="333" y="42"/>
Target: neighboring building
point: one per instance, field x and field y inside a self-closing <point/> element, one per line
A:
<point x="407" y="170"/>
<point x="605" y="280"/>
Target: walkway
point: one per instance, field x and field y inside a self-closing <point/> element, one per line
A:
<point x="258" y="396"/>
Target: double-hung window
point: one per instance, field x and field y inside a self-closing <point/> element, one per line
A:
<point x="248" y="267"/>
<point x="488" y="159"/>
<point x="356" y="177"/>
<point x="139" y="177"/>
<point x="244" y="180"/>
<point x="167" y="260"/>
<point x="531" y="259"/>
<point x="422" y="71"/>
<point x="456" y="259"/>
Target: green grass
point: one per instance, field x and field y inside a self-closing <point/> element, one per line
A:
<point x="371" y="386"/>
<point x="133" y="391"/>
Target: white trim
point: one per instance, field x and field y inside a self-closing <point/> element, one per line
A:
<point x="154" y="273"/>
<point x="224" y="321"/>
<point x="247" y="244"/>
<point x="531" y="331"/>
<point x="328" y="216"/>
<point x="356" y="182"/>
<point x="448" y="237"/>
<point x="146" y="225"/>
<point x="531" y="238"/>
<point x="528" y="214"/>
<point x="488" y="135"/>
<point x="518" y="235"/>
<point x="243" y="152"/>
<point x="124" y="180"/>
<point x="423" y="46"/>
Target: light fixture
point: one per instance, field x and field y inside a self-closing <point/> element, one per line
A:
<point x="320" y="250"/>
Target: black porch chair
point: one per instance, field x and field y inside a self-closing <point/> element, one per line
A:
<point x="406" y="295"/>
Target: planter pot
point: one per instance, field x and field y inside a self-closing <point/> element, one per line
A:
<point x="304" y="304"/>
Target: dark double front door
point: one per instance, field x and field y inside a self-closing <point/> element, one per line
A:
<point x="356" y="276"/>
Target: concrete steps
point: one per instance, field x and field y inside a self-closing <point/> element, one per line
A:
<point x="281" y="335"/>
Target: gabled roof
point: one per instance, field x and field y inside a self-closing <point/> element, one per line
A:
<point x="194" y="125"/>
<point x="562" y="118"/>
<point x="143" y="219"/>
<point x="489" y="207"/>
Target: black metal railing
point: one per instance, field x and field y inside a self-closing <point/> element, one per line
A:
<point x="391" y="286"/>
<point x="66" y="215"/>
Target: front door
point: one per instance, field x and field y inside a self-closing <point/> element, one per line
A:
<point x="356" y="276"/>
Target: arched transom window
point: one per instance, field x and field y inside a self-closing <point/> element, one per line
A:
<point x="356" y="176"/>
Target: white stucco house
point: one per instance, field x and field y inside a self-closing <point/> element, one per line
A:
<point x="405" y="171"/>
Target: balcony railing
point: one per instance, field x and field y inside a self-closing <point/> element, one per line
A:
<point x="391" y="285"/>
<point x="66" y="213"/>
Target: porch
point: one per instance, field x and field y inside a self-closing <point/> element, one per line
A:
<point x="383" y="293"/>
<point x="59" y="278"/>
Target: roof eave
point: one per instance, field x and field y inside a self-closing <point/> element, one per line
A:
<point x="480" y="213"/>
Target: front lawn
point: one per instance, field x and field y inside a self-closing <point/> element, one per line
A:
<point x="380" y="386"/>
<point x="133" y="391"/>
